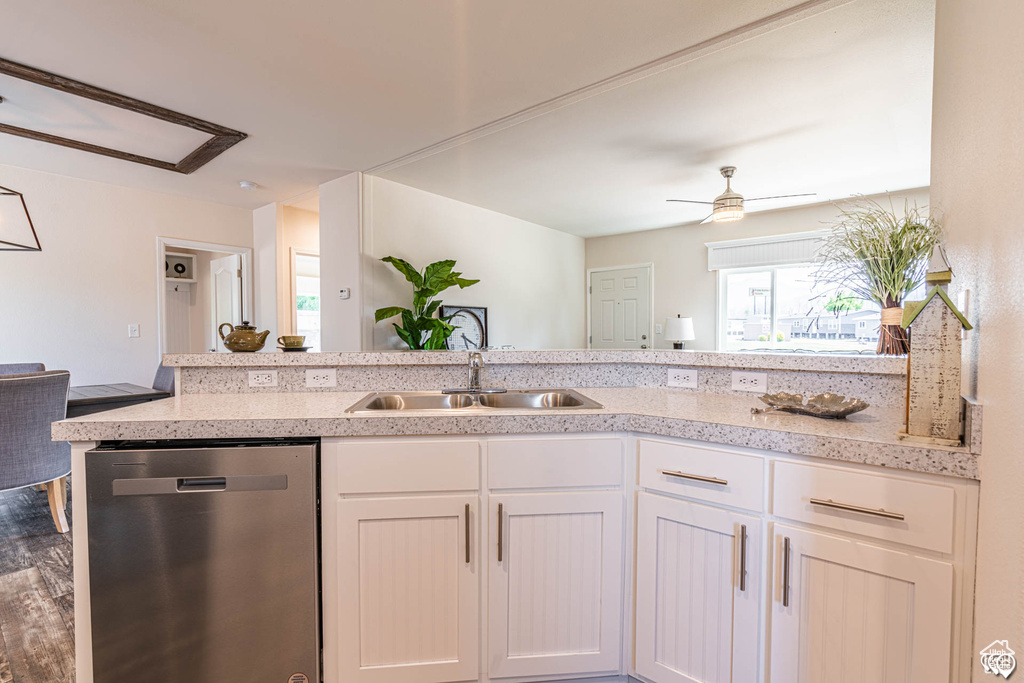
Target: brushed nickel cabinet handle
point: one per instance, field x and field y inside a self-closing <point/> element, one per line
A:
<point x="880" y="512"/>
<point x="500" y="518"/>
<point x="743" y="557"/>
<point x="785" y="571"/>
<point x="467" y="533"/>
<point x="695" y="477"/>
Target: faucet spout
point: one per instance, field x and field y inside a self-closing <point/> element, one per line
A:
<point x="476" y="366"/>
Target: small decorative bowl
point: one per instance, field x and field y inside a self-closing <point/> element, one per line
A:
<point x="829" y="406"/>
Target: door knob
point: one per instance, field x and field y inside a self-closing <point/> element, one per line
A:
<point x="643" y="336"/>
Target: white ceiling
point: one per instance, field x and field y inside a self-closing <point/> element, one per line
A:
<point x="334" y="85"/>
<point x="838" y="104"/>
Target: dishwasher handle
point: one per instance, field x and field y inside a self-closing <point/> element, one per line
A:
<point x="202" y="484"/>
<point x="155" y="486"/>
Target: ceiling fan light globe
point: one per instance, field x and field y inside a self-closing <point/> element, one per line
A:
<point x="726" y="215"/>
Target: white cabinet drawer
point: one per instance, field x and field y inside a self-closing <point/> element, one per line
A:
<point x="708" y="474"/>
<point x="393" y="466"/>
<point x="890" y="508"/>
<point x="554" y="462"/>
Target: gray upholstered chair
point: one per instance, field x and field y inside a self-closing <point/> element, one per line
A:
<point x="20" y="368"/>
<point x="164" y="380"/>
<point x="28" y="404"/>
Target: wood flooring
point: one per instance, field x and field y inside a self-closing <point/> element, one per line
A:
<point x="37" y="604"/>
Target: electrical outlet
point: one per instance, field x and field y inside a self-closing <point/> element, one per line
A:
<point x="685" y="378"/>
<point x="322" y="377"/>
<point x="133" y="330"/>
<point x="750" y="381"/>
<point x="263" y="378"/>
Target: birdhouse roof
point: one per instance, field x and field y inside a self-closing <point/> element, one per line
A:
<point x="912" y="309"/>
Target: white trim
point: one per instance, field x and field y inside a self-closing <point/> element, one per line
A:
<point x="294" y="288"/>
<point x="650" y="291"/>
<point x="162" y="243"/>
<point x="753" y="258"/>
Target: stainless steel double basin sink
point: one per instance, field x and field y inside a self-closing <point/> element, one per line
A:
<point x="534" y="399"/>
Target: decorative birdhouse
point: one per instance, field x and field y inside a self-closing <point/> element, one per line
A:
<point x="933" y="368"/>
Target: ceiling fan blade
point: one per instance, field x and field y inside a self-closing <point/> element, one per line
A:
<point x="708" y="219"/>
<point x="783" y="196"/>
<point x="690" y="201"/>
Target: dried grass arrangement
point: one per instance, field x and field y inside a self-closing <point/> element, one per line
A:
<point x="881" y="256"/>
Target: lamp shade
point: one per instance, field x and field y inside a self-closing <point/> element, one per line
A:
<point x="679" y="329"/>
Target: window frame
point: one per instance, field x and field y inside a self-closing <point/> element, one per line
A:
<point x="294" y="285"/>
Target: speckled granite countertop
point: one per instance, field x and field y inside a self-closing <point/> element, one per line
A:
<point x="814" y="362"/>
<point x="868" y="437"/>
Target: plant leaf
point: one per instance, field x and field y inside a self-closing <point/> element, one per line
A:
<point x="406" y="269"/>
<point x="405" y="336"/>
<point x="429" y="310"/>
<point x="463" y="283"/>
<point x="389" y="312"/>
<point x="436" y="275"/>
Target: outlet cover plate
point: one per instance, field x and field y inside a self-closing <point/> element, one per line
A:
<point x="263" y="378"/>
<point x="750" y="381"/>
<point x="684" y="378"/>
<point x="321" y="377"/>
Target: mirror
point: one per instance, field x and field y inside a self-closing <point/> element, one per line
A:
<point x="561" y="210"/>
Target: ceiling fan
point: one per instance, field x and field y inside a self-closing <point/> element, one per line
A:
<point x="728" y="206"/>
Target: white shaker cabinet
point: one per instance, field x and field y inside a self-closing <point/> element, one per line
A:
<point x="697" y="592"/>
<point x="845" y="610"/>
<point x="409" y="607"/>
<point x="555" y="583"/>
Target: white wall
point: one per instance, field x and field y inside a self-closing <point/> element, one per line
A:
<point x="300" y="230"/>
<point x="70" y="305"/>
<point x="341" y="327"/>
<point x="267" y="239"/>
<point x="977" y="174"/>
<point x="682" y="282"/>
<point x="530" y="276"/>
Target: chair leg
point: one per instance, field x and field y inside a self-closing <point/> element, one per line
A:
<point x="57" y="494"/>
<point x="40" y="487"/>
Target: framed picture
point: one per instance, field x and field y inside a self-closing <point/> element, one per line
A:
<point x="470" y="327"/>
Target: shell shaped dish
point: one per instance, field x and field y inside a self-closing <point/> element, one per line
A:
<point x="828" y="405"/>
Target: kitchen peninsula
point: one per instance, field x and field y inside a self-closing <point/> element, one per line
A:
<point x="483" y="543"/>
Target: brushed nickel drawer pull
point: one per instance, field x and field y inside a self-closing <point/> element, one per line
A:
<point x="785" y="571"/>
<point x="467" y="534"/>
<point x="500" y="519"/>
<point x="881" y="512"/>
<point x="743" y="557"/>
<point x="695" y="477"/>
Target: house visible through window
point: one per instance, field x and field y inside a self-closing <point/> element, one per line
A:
<point x="783" y="308"/>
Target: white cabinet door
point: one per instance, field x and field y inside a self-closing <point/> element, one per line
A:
<point x="408" y="598"/>
<point x="696" y="620"/>
<point x="555" y="583"/>
<point x="850" y="611"/>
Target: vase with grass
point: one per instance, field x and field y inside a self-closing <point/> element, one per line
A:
<point x="420" y="330"/>
<point x="880" y="255"/>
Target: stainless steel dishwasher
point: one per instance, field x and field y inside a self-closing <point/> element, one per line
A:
<point x="204" y="562"/>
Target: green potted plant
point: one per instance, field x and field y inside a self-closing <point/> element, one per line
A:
<point x="880" y="256"/>
<point x="420" y="330"/>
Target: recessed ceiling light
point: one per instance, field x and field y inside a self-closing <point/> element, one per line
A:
<point x="247" y="185"/>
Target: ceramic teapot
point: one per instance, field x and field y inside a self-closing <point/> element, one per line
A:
<point x="243" y="337"/>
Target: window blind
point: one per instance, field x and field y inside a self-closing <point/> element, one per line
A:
<point x="772" y="250"/>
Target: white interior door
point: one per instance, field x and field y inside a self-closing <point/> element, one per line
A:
<point x="556" y="590"/>
<point x="620" y="308"/>
<point x="696" y="620"/>
<point x="409" y="592"/>
<point x="226" y="293"/>
<point x="857" y="612"/>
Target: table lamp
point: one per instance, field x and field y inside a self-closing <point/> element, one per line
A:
<point x="678" y="330"/>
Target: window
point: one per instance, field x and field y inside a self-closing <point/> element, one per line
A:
<point x="783" y="308"/>
<point x="306" y="285"/>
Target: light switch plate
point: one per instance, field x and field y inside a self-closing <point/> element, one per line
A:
<point x="133" y="330"/>
<point x="684" y="378"/>
<point x="321" y="377"/>
<point x="263" y="378"/>
<point x="750" y="381"/>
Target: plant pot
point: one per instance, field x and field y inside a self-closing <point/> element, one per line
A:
<point x="893" y="340"/>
